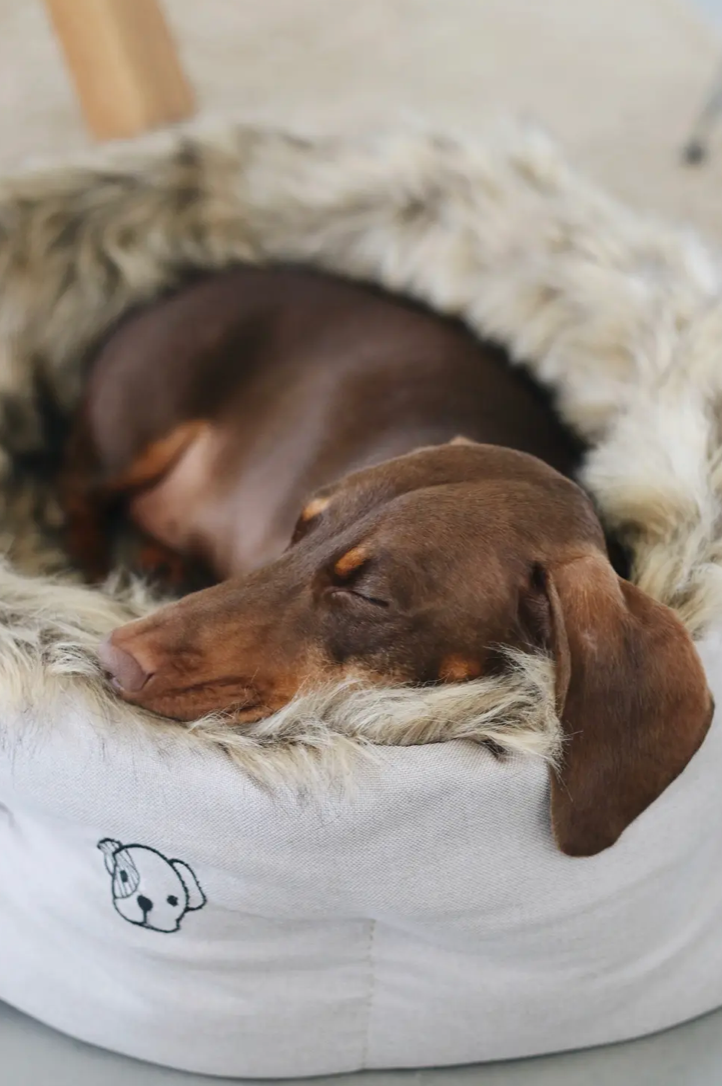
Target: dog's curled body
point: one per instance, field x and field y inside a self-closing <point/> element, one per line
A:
<point x="297" y="435"/>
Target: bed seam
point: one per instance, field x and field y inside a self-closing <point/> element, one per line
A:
<point x="369" y="1003"/>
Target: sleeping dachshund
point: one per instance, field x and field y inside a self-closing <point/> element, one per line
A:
<point x="294" y="434"/>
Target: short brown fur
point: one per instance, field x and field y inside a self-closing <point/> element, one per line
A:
<point x="407" y="566"/>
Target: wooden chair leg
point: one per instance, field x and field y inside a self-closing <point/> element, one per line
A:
<point x="124" y="64"/>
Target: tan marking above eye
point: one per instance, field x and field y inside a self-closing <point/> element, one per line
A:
<point x="314" y="507"/>
<point x="457" y="669"/>
<point x="350" y="562"/>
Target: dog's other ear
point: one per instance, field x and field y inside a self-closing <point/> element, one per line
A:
<point x="196" y="897"/>
<point x="461" y="440"/>
<point x="631" y="694"/>
<point x="109" y="847"/>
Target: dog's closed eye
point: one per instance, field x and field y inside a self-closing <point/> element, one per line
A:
<point x="350" y="578"/>
<point x="356" y="594"/>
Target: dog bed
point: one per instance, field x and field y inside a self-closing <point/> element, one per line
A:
<point x="364" y="880"/>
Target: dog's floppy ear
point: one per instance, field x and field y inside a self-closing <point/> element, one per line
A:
<point x="631" y="694"/>
<point x="196" y="897"/>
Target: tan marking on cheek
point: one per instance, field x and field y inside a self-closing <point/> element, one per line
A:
<point x="351" y="561"/>
<point x="457" y="669"/>
<point x="314" y="507"/>
<point x="358" y="671"/>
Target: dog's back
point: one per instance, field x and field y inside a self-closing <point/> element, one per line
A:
<point x="303" y="377"/>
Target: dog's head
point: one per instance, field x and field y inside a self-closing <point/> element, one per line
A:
<point x="424" y="570"/>
<point x="149" y="890"/>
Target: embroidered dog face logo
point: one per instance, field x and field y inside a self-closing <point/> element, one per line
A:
<point x="149" y="890"/>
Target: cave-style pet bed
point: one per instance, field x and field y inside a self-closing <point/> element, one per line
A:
<point x="361" y="881"/>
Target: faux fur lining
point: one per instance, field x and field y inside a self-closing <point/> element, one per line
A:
<point x="49" y="631"/>
<point x="619" y="315"/>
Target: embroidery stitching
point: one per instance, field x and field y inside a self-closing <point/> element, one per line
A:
<point x="149" y="890"/>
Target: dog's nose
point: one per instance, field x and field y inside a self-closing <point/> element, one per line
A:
<point x="124" y="669"/>
<point x="145" y="904"/>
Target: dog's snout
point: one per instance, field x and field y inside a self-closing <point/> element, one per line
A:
<point x="145" y="904"/>
<point x="217" y="649"/>
<point x="124" y="669"/>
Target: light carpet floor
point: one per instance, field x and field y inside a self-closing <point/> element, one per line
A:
<point x="618" y="82"/>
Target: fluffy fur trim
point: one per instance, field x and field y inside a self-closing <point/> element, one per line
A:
<point x="49" y="632"/>
<point x="619" y="315"/>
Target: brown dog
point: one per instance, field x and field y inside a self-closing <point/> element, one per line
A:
<point x="217" y="412"/>
<point x="416" y="568"/>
